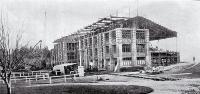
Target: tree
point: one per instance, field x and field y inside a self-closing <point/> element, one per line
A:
<point x="11" y="57"/>
<point x="37" y="58"/>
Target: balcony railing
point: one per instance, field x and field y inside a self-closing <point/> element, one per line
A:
<point x="141" y="54"/>
<point x="140" y="41"/>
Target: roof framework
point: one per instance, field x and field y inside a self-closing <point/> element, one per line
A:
<point x="156" y="31"/>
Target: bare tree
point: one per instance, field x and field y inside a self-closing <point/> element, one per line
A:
<point x="10" y="56"/>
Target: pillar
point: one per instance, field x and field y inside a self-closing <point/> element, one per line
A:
<point x="133" y="48"/>
<point x="111" y="52"/>
<point x="80" y="51"/>
<point x="148" y="54"/>
<point x="119" y="49"/>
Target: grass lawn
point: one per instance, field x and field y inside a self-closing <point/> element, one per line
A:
<point x="80" y="89"/>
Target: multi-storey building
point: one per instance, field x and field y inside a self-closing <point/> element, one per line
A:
<point x="112" y="43"/>
<point x="65" y="50"/>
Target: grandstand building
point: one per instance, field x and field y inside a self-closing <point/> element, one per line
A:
<point x="112" y="43"/>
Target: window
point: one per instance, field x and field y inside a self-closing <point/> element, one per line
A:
<point x="113" y="34"/>
<point x="82" y="44"/>
<point x="90" y="52"/>
<point x="126" y="34"/>
<point x="90" y="41"/>
<point x="114" y="48"/>
<point x="107" y="36"/>
<point x="140" y="58"/>
<point x="71" y="55"/>
<point x="96" y="51"/>
<point x="102" y="63"/>
<point x="85" y="42"/>
<point x="95" y="40"/>
<point x="127" y="58"/>
<point x="140" y="48"/>
<point x="71" y="46"/>
<point x="107" y="49"/>
<point x="140" y="35"/>
<point x="126" y="48"/>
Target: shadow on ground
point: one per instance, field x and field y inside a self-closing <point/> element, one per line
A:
<point x="82" y="89"/>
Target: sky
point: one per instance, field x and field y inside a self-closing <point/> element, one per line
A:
<point x="63" y="17"/>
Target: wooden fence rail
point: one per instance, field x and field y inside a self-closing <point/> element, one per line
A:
<point x="28" y="76"/>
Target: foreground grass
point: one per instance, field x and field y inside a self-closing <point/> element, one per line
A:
<point x="81" y="89"/>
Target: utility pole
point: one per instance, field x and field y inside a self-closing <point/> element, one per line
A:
<point x="137" y="6"/>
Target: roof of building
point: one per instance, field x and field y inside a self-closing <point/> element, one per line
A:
<point x="70" y="38"/>
<point x="156" y="31"/>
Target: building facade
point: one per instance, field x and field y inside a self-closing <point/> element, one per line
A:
<point x="65" y="50"/>
<point x="111" y="43"/>
<point x="120" y="47"/>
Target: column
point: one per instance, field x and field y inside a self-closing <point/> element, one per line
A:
<point x="80" y="51"/>
<point x="119" y="49"/>
<point x="111" y="51"/>
<point x="148" y="54"/>
<point x="103" y="51"/>
<point x="99" y="45"/>
<point x="133" y="48"/>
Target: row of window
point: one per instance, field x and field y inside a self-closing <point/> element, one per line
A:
<point x="71" y="46"/>
<point x="71" y="56"/>
<point x="114" y="49"/>
<point x="125" y="48"/>
<point x="125" y="34"/>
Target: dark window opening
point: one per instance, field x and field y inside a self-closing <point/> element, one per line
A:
<point x="107" y="36"/>
<point x="140" y="35"/>
<point x="126" y="34"/>
<point x="126" y="48"/>
<point x="107" y="49"/>
<point x="140" y="48"/>
<point x="113" y="34"/>
<point x="127" y="58"/>
<point x="114" y="48"/>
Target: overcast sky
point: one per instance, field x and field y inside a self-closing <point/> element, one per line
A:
<point x="64" y="17"/>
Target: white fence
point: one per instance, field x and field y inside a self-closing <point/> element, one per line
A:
<point x="36" y="75"/>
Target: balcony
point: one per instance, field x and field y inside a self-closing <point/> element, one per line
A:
<point x="140" y="41"/>
<point x="141" y="54"/>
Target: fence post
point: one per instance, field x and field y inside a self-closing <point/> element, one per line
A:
<point x="43" y="77"/>
<point x="36" y="77"/>
<point x="23" y="73"/>
<point x="65" y="78"/>
<point x="29" y="80"/>
<point x="74" y="76"/>
<point x="13" y="74"/>
<point x="32" y="73"/>
<point x="26" y="79"/>
<point x="20" y="75"/>
<point x="49" y="80"/>
<point x="15" y="79"/>
<point x="48" y="75"/>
